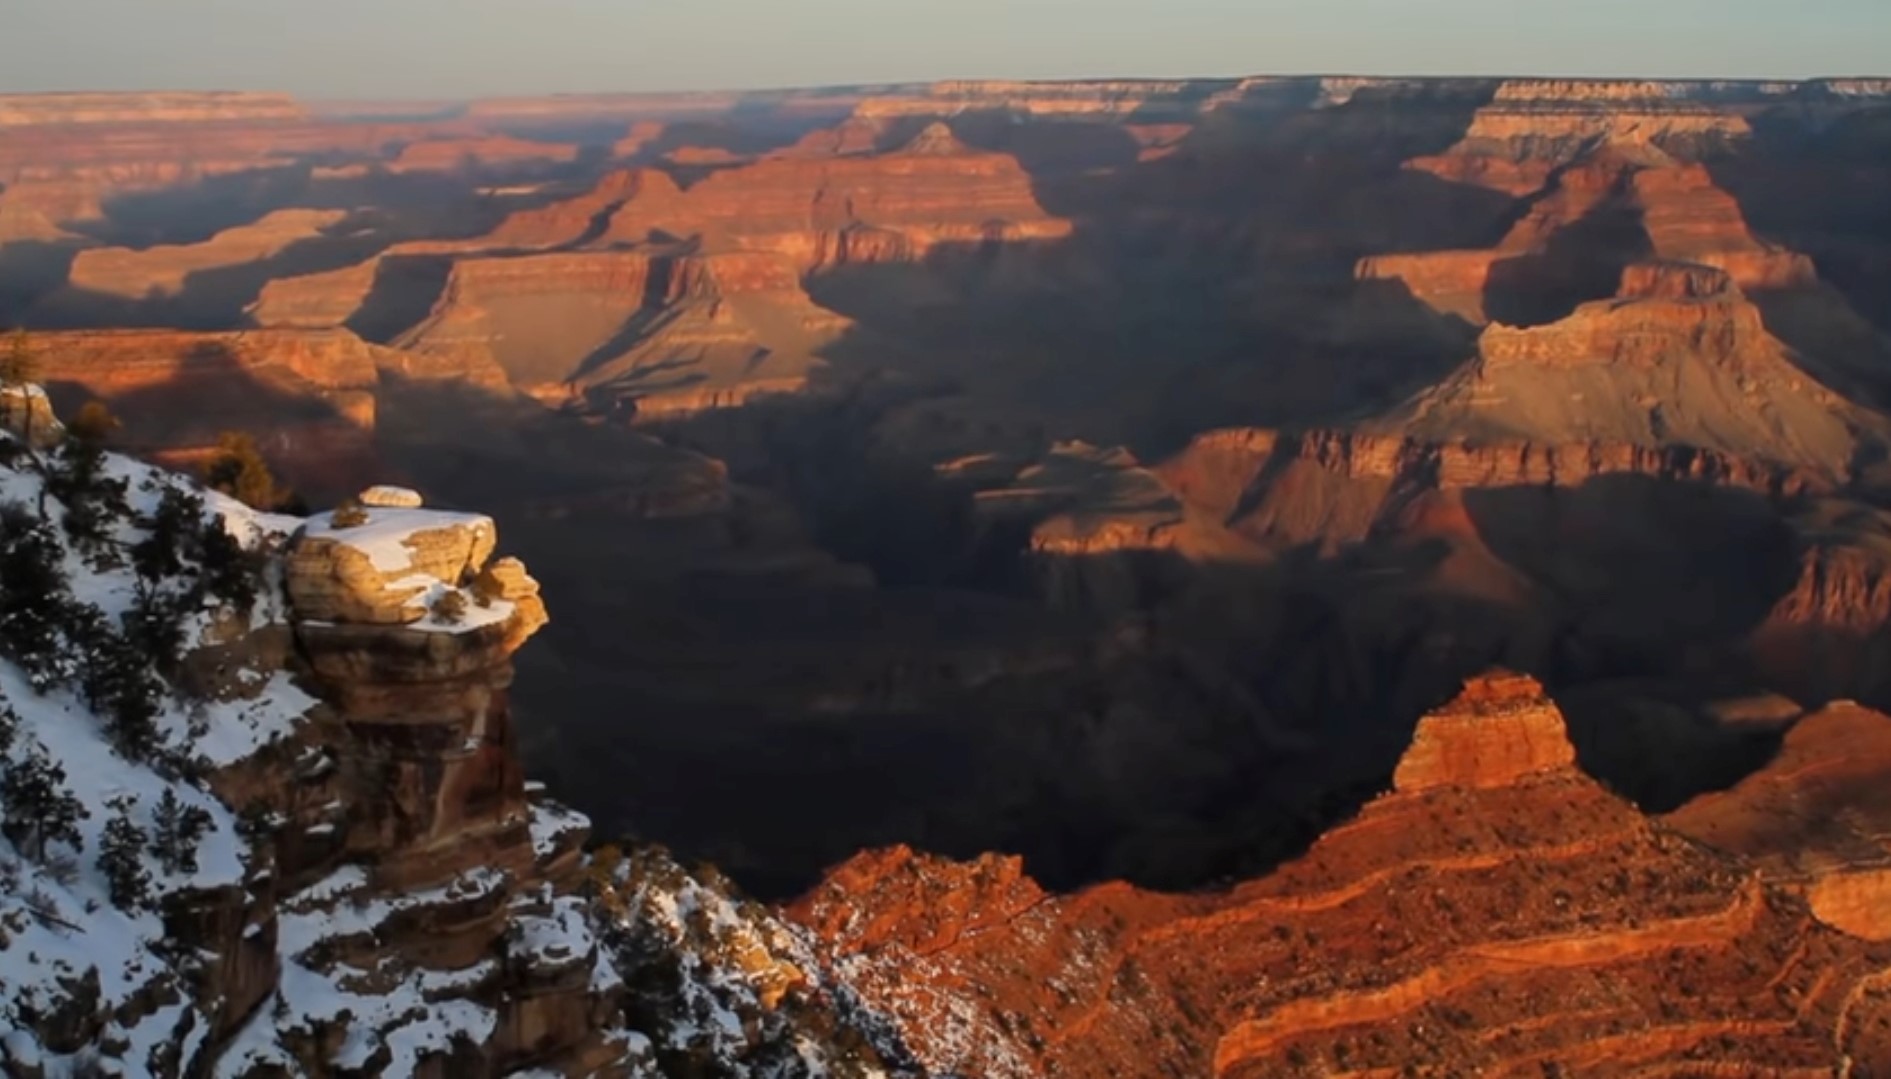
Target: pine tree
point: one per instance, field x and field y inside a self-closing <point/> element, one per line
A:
<point x="117" y="682"/>
<point x="231" y="573"/>
<point x="77" y="478"/>
<point x="32" y="594"/>
<point x="38" y="807"/>
<point x="121" y="857"/>
<point x="167" y="831"/>
<point x="197" y="823"/>
<point x="177" y="832"/>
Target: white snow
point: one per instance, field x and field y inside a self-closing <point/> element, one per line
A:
<point x="551" y="824"/>
<point x="385" y="535"/>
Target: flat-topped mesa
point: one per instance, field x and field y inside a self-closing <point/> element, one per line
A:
<point x="164" y="271"/>
<point x="448" y="155"/>
<point x="27" y="110"/>
<point x="1500" y="730"/>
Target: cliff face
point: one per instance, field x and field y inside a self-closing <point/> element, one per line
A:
<point x="19" y="110"/>
<point x="307" y="397"/>
<point x="350" y="879"/>
<point x="1497" y="889"/>
<point x="824" y="212"/>
<point x="653" y="332"/>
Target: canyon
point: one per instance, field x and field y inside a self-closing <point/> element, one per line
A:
<point x="1104" y="504"/>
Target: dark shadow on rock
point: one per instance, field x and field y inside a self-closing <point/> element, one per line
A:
<point x="308" y="440"/>
<point x="1582" y="262"/>
<point x="404" y="292"/>
<point x="29" y="271"/>
<point x="1820" y="192"/>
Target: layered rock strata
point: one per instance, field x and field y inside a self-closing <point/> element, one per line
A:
<point x="1814" y="819"/>
<point x="1496" y="910"/>
<point x="426" y="919"/>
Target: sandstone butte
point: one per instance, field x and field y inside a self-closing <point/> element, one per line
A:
<point x="1496" y="912"/>
<point x="1676" y="357"/>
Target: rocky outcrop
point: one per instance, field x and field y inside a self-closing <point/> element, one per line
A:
<point x="1337" y="485"/>
<point x="324" y="300"/>
<point x="1499" y="732"/>
<point x="1815" y="817"/>
<point x="436" y="875"/>
<point x="26" y="413"/>
<point x="1600" y="200"/>
<point x="1829" y="634"/>
<point x="1497" y="889"/>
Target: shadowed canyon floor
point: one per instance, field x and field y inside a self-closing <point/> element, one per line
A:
<point x="1105" y="473"/>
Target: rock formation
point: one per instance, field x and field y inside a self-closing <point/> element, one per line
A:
<point x="163" y="272"/>
<point x="1813" y="817"/>
<point x="430" y="871"/>
<point x="1677" y="357"/>
<point x="1497" y="909"/>
<point x="308" y="397"/>
<point x="448" y="155"/>
<point x="663" y="332"/>
<point x="33" y="110"/>
<point x="821" y="212"/>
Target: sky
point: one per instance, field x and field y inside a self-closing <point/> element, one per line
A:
<point x="455" y="49"/>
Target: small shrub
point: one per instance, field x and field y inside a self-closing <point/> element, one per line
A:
<point x="450" y="607"/>
<point x="349" y="514"/>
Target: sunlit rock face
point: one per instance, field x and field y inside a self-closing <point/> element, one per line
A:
<point x="1495" y="888"/>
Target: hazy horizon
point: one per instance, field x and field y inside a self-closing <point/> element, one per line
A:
<point x="458" y="49"/>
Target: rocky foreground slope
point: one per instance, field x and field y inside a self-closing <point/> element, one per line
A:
<point x="1497" y="912"/>
<point x="264" y="813"/>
